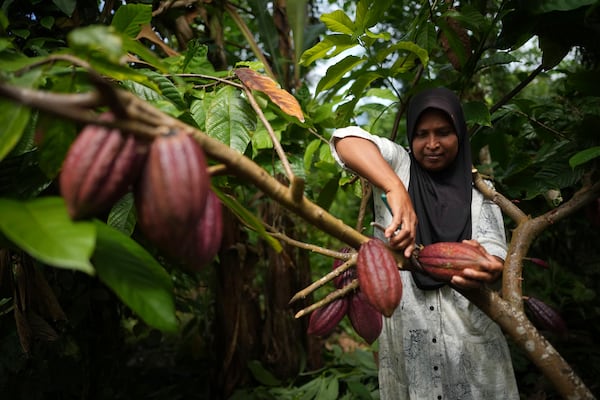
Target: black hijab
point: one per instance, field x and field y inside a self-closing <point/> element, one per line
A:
<point x="442" y="200"/>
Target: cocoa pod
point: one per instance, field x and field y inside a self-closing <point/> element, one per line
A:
<point x="545" y="317"/>
<point x="206" y="240"/>
<point x="99" y="168"/>
<point x="443" y="260"/>
<point x="378" y="276"/>
<point x="456" y="43"/>
<point x="348" y="275"/>
<point x="171" y="194"/>
<point x="323" y="320"/>
<point x="365" y="319"/>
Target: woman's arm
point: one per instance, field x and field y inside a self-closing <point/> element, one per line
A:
<point x="363" y="157"/>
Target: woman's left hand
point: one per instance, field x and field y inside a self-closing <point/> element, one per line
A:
<point x="488" y="272"/>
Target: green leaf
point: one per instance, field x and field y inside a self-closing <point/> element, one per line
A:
<point x="247" y="217"/>
<point x="43" y="229"/>
<point x="13" y="121"/>
<point x="97" y="41"/>
<point x="584" y="156"/>
<point x="545" y="6"/>
<point x="230" y="119"/>
<point x="262" y="375"/>
<point x="330" y="46"/>
<point x="477" y="112"/>
<point x="337" y="71"/>
<point x="57" y="137"/>
<point x="129" y="18"/>
<point x="337" y="21"/>
<point x="66" y="6"/>
<point x="136" y="277"/>
<point x="122" y="215"/>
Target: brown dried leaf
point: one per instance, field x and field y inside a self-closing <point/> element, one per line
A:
<point x="261" y="83"/>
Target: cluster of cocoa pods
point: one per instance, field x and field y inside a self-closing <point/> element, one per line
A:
<point x="365" y="319"/>
<point x="176" y="208"/>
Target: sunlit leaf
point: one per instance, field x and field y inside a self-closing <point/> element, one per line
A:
<point x="337" y="71"/>
<point x="42" y="228"/>
<point x="268" y="86"/>
<point x="13" y="120"/>
<point x="338" y="22"/>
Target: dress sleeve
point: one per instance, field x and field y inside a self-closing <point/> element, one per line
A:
<point x="488" y="226"/>
<point x="392" y="152"/>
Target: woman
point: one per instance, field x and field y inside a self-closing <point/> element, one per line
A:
<point x="437" y="345"/>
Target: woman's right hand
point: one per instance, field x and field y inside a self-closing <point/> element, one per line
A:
<point x="404" y="217"/>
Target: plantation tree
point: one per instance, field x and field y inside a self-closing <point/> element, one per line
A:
<point x="244" y="80"/>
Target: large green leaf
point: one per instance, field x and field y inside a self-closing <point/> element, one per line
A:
<point x="338" y="21"/>
<point x="13" y="120"/>
<point x="129" y="18"/>
<point x="336" y="71"/>
<point x="230" y="119"/>
<point x="544" y="6"/>
<point x="136" y="277"/>
<point x="43" y="229"/>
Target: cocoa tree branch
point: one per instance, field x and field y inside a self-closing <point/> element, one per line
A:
<point x="324" y="279"/>
<point x="527" y="230"/>
<point x="336" y="294"/>
<point x="536" y="347"/>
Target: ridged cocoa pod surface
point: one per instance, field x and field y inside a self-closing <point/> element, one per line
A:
<point x="443" y="260"/>
<point x="461" y="43"/>
<point x="365" y="319"/>
<point x="545" y="317"/>
<point x="348" y="275"/>
<point x="378" y="276"/>
<point x="323" y="320"/>
<point x="99" y="168"/>
<point x="206" y="240"/>
<point x="171" y="195"/>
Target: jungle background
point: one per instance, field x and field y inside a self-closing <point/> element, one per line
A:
<point x="110" y="316"/>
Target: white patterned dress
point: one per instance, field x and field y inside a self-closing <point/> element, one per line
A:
<point x="437" y="345"/>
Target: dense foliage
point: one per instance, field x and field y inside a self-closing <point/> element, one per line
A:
<point x="91" y="309"/>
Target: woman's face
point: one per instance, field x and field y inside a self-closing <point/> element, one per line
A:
<point x="435" y="143"/>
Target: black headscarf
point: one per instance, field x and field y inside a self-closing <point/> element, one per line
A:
<point x="442" y="200"/>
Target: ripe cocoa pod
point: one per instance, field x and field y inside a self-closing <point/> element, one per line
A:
<point x="545" y="317"/>
<point x="99" y="168"/>
<point x="443" y="260"/>
<point x="323" y="320"/>
<point x="206" y="240"/>
<point x="348" y="275"/>
<point x="365" y="319"/>
<point x="171" y="194"/>
<point x="378" y="276"/>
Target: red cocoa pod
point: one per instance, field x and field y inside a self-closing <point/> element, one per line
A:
<point x="378" y="276"/>
<point x="443" y="260"/>
<point x="348" y="275"/>
<point x="323" y="320"/>
<point x="206" y="240"/>
<point x="455" y="41"/>
<point x="171" y="194"/>
<point x="99" y="168"/>
<point x="545" y="317"/>
<point x="365" y="319"/>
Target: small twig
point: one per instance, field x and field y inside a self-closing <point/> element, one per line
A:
<point x="324" y="279"/>
<point x="336" y="294"/>
<point x="307" y="246"/>
<point x="276" y="144"/>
